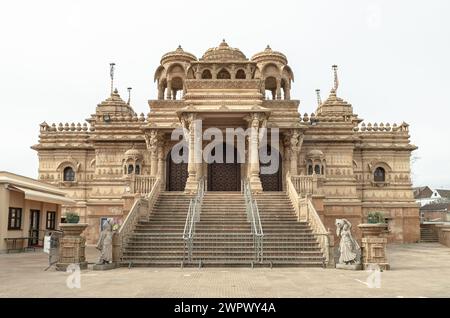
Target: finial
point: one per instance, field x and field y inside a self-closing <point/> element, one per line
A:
<point x="319" y="99"/>
<point x="336" y="81"/>
<point x="116" y="91"/>
<point x="111" y="74"/>
<point x="129" y="95"/>
<point x="179" y="47"/>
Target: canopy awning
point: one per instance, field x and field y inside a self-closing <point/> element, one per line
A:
<point x="43" y="196"/>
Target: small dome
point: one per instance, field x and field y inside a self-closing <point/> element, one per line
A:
<point x="315" y="153"/>
<point x="133" y="153"/>
<point x="223" y="53"/>
<point x="269" y="55"/>
<point x="178" y="54"/>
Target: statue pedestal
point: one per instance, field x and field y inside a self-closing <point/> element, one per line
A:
<point x="72" y="245"/>
<point x="374" y="245"/>
<point x="351" y="267"/>
<point x="104" y="267"/>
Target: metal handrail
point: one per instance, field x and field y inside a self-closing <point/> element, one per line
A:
<point x="193" y="216"/>
<point x="252" y="211"/>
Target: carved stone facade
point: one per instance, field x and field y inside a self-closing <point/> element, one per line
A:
<point x="358" y="167"/>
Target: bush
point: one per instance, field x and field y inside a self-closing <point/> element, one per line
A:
<point x="72" y="217"/>
<point x="375" y="217"/>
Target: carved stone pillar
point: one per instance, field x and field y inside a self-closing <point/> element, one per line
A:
<point x="248" y="72"/>
<point x="278" y="92"/>
<point x="294" y="143"/>
<point x="160" y="91"/>
<point x="233" y="72"/>
<point x="169" y="89"/>
<point x="255" y="181"/>
<point x="287" y="92"/>
<point x="160" y="172"/>
<point x="151" y="139"/>
<point x="189" y="123"/>
<point x="198" y="73"/>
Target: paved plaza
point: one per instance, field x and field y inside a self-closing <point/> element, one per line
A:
<point x="418" y="270"/>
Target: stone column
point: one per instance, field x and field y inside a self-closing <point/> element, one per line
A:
<point x="233" y="72"/>
<point x="248" y="72"/>
<point x="255" y="181"/>
<point x="152" y="145"/>
<point x="72" y="245"/>
<point x="189" y="124"/>
<point x="169" y="89"/>
<point x="160" y="91"/>
<point x="160" y="172"/>
<point x="287" y="92"/>
<point x="278" y="92"/>
<point x="295" y="144"/>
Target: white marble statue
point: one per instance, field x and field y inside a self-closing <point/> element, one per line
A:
<point x="349" y="251"/>
<point x="105" y="243"/>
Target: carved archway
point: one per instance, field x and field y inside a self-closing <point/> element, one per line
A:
<point x="274" y="181"/>
<point x="224" y="176"/>
<point x="176" y="174"/>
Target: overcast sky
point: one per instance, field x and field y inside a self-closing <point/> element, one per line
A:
<point x="393" y="57"/>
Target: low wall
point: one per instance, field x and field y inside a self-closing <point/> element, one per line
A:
<point x="443" y="231"/>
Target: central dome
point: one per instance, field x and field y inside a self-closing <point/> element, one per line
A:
<point x="223" y="53"/>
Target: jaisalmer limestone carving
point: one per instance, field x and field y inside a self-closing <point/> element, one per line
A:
<point x="117" y="149"/>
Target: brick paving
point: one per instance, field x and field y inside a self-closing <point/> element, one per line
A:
<point x="418" y="270"/>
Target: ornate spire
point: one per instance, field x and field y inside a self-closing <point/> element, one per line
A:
<point x="319" y="99"/>
<point x="336" y="81"/>
<point x="111" y="74"/>
<point x="129" y="95"/>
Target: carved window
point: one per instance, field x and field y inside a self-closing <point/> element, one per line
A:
<point x="137" y="169"/>
<point x="68" y="174"/>
<point x="206" y="74"/>
<point x="223" y="75"/>
<point x="310" y="169"/>
<point x="379" y="175"/>
<point x="130" y="169"/>
<point x="317" y="169"/>
<point x="240" y="74"/>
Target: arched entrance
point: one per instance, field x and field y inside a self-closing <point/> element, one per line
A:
<point x="176" y="173"/>
<point x="272" y="182"/>
<point x="223" y="176"/>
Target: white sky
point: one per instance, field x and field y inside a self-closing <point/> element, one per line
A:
<point x="393" y="57"/>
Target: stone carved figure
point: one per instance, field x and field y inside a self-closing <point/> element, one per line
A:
<point x="349" y="251"/>
<point x="105" y="243"/>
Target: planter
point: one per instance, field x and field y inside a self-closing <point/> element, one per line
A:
<point x="72" y="229"/>
<point x="373" y="229"/>
<point x="72" y="245"/>
<point x="374" y="245"/>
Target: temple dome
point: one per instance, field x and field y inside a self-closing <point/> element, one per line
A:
<point x="334" y="105"/>
<point x="269" y="55"/>
<point x="177" y="55"/>
<point x="114" y="104"/>
<point x="223" y="53"/>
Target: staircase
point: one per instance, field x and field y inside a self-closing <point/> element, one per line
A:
<point x="427" y="235"/>
<point x="287" y="242"/>
<point x="223" y="235"/>
<point x="158" y="241"/>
